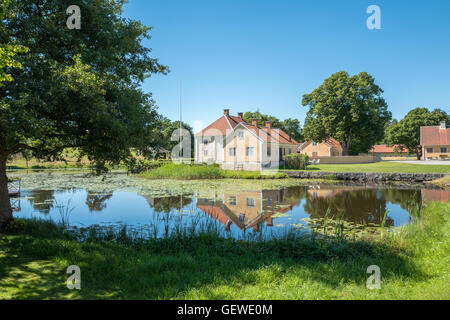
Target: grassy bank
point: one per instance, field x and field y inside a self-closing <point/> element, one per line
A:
<point x="388" y="167"/>
<point x="200" y="171"/>
<point x="413" y="260"/>
<point x="443" y="182"/>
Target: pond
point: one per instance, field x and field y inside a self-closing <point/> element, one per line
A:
<point x="237" y="209"/>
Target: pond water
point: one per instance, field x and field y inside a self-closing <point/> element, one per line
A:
<point x="233" y="208"/>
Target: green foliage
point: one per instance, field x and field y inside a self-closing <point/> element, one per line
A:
<point x="7" y="53"/>
<point x="296" y="161"/>
<point x="77" y="88"/>
<point x="290" y="126"/>
<point x="345" y="108"/>
<point x="407" y="131"/>
<point x="204" y="171"/>
<point x="185" y="171"/>
<point x="167" y="137"/>
<point x="207" y="266"/>
<point x="142" y="165"/>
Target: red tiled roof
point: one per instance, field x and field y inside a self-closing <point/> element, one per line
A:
<point x="216" y="213"/>
<point x="227" y="123"/>
<point x="384" y="148"/>
<point x="333" y="142"/>
<point x="434" y="136"/>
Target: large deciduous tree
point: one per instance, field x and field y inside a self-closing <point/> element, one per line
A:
<point x="407" y="131"/>
<point x="345" y="108"/>
<point x="77" y="87"/>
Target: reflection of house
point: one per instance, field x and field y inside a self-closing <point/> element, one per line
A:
<point x="323" y="193"/>
<point x="236" y="144"/>
<point x="435" y="195"/>
<point x="247" y="209"/>
<point x="385" y="152"/>
<point x="328" y="148"/>
<point x="435" y="142"/>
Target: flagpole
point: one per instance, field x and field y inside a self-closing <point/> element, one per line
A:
<point x="181" y="120"/>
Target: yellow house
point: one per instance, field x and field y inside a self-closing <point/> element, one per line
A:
<point x="435" y="142"/>
<point x="327" y="148"/>
<point x="237" y="145"/>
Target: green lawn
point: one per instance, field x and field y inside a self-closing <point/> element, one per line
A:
<point x="414" y="264"/>
<point x="389" y="167"/>
<point x="201" y="171"/>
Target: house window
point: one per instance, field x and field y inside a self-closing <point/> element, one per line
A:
<point x="240" y="135"/>
<point x="232" y="200"/>
<point x="205" y="141"/>
<point x="269" y="201"/>
<point x="232" y="152"/>
<point x="290" y="150"/>
<point x="269" y="151"/>
<point x="205" y="153"/>
<point x="249" y="151"/>
<point x="250" y="202"/>
<point x="443" y="150"/>
<point x="242" y="217"/>
<point x="314" y="144"/>
<point x="429" y="150"/>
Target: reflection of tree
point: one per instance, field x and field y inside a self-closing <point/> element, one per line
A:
<point x="409" y="200"/>
<point x="96" y="202"/>
<point x="167" y="204"/>
<point x="41" y="200"/>
<point x="358" y="206"/>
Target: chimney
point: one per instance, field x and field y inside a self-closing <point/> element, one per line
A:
<point x="255" y="122"/>
<point x="240" y="115"/>
<point x="443" y="126"/>
<point x="269" y="124"/>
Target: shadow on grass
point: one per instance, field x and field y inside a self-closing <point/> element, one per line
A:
<point x="33" y="265"/>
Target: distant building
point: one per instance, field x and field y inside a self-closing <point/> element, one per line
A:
<point x="237" y="145"/>
<point x="435" y="142"/>
<point x="328" y="148"/>
<point x="386" y="152"/>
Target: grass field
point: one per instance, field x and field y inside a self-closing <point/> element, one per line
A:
<point x="388" y="167"/>
<point x="189" y="172"/>
<point x="414" y="264"/>
<point x="443" y="182"/>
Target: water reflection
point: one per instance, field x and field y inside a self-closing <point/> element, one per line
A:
<point x="97" y="202"/>
<point x="168" y="204"/>
<point x="240" y="210"/>
<point x="248" y="209"/>
<point x="41" y="200"/>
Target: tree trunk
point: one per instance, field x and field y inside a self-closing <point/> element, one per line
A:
<point x="345" y="147"/>
<point x="5" y="205"/>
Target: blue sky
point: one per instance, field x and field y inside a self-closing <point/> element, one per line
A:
<point x="265" y="54"/>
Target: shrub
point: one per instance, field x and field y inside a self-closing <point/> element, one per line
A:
<point x="296" y="161"/>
